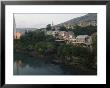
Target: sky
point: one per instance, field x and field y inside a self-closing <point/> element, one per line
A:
<point x="41" y="20"/>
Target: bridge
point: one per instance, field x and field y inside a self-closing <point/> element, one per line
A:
<point x="59" y="40"/>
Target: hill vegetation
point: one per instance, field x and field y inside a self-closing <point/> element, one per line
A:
<point x="89" y="30"/>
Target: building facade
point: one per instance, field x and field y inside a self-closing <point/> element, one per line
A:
<point x="17" y="35"/>
<point x="84" y="39"/>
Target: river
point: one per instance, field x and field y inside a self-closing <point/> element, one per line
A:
<point x="27" y="65"/>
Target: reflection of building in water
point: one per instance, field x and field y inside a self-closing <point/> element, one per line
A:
<point x="19" y="65"/>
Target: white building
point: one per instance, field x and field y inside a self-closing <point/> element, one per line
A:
<point x="53" y="33"/>
<point x="84" y="39"/>
<point x="69" y="36"/>
<point x="61" y="33"/>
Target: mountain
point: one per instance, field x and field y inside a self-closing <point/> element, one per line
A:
<point x="86" y="18"/>
<point x="22" y="30"/>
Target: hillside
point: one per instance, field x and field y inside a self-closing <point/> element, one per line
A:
<point x="86" y="18"/>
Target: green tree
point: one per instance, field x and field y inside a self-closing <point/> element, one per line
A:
<point x="84" y="30"/>
<point x="40" y="48"/>
<point x="77" y="27"/>
<point x="48" y="27"/>
<point x="63" y="28"/>
<point x="94" y="46"/>
<point x="94" y="43"/>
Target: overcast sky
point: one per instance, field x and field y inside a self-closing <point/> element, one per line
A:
<point x="41" y="20"/>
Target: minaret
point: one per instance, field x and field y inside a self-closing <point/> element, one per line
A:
<point x="52" y="26"/>
<point x="52" y="23"/>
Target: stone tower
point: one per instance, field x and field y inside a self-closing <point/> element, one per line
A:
<point x="14" y="26"/>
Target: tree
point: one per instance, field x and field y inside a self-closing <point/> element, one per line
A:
<point x="77" y="27"/>
<point x="62" y="28"/>
<point x="84" y="30"/>
<point x="32" y="37"/>
<point x="40" y="48"/>
<point x="48" y="27"/>
<point x="94" y="46"/>
<point x="94" y="42"/>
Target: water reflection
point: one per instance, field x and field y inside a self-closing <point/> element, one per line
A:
<point x="19" y="65"/>
<point x="27" y="65"/>
<point x="46" y="69"/>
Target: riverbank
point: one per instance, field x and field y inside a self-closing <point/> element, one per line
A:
<point x="56" y="60"/>
<point x="84" y="70"/>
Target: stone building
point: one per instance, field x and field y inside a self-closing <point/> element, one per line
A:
<point x="84" y="39"/>
<point x="66" y="35"/>
<point x="17" y="35"/>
